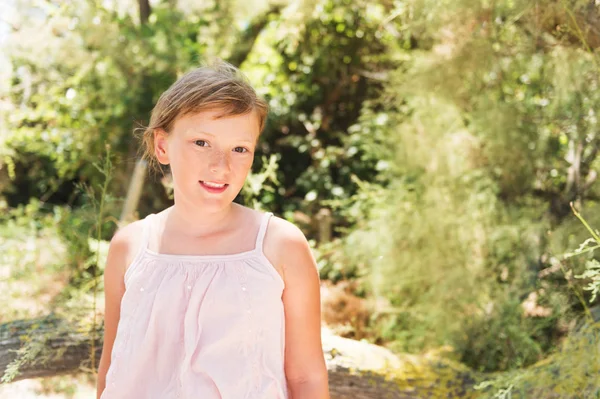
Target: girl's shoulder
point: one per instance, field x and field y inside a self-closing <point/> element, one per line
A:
<point x="285" y="231"/>
<point x="283" y="238"/>
<point x="128" y="239"/>
<point x="279" y="231"/>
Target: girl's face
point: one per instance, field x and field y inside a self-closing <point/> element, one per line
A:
<point x="210" y="158"/>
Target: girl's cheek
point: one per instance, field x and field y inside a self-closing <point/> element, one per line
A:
<point x="242" y="163"/>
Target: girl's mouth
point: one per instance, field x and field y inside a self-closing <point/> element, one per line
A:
<point x="213" y="187"/>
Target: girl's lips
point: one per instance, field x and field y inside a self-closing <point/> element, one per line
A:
<point x="214" y="190"/>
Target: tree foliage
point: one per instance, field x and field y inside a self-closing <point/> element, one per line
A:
<point x="494" y="130"/>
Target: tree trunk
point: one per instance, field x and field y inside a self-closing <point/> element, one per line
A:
<point x="145" y="11"/>
<point x="357" y="370"/>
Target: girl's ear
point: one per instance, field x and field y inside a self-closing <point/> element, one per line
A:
<point x="161" y="146"/>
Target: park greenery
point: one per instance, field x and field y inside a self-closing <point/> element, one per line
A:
<point x="455" y="143"/>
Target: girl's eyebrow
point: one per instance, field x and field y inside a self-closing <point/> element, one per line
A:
<point x="194" y="131"/>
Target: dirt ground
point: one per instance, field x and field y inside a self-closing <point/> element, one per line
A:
<point x="63" y="387"/>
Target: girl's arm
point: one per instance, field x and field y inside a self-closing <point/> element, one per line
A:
<point x="119" y="255"/>
<point x="305" y="367"/>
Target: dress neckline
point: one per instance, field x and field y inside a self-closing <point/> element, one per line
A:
<point x="234" y="256"/>
<point x="257" y="250"/>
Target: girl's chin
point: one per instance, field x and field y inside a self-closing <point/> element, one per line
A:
<point x="224" y="197"/>
<point x="212" y="204"/>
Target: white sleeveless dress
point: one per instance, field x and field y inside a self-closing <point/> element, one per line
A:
<point x="200" y="327"/>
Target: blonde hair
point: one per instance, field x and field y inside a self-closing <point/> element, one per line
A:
<point x="219" y="85"/>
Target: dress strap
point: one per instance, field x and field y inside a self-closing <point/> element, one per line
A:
<point x="146" y="227"/>
<point x="148" y="222"/>
<point x="262" y="230"/>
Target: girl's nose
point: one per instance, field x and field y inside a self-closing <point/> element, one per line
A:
<point x="220" y="162"/>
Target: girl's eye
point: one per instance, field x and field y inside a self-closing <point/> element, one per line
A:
<point x="240" y="149"/>
<point x="200" y="143"/>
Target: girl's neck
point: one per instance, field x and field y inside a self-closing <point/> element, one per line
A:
<point x="195" y="222"/>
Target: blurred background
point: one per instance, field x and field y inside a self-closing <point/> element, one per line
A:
<point x="433" y="152"/>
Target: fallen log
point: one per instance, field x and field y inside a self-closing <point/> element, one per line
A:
<point x="44" y="347"/>
<point x="358" y="370"/>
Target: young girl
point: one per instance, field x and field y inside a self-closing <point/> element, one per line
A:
<point x="209" y="299"/>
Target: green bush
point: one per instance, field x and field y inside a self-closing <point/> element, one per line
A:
<point x="493" y="134"/>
